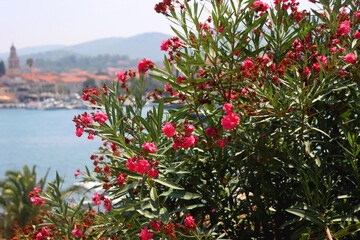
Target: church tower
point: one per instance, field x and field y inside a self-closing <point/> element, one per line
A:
<point x="14" y="66"/>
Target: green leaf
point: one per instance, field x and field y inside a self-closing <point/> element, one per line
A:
<point x="168" y="183"/>
<point x="307" y="216"/>
<point x="346" y="231"/>
<point x="344" y="219"/>
<point x="187" y="208"/>
<point x="164" y="215"/>
<point x="180" y="194"/>
<point x="174" y="170"/>
<point x="154" y="199"/>
<point x="146" y="213"/>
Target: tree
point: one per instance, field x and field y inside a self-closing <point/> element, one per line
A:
<point x="89" y="83"/>
<point x="2" y="68"/>
<point x="17" y="211"/>
<point x="30" y="63"/>
<point x="14" y="198"/>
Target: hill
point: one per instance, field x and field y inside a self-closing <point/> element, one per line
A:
<point x="136" y="47"/>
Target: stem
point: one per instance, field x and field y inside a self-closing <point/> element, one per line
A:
<point x="328" y="233"/>
<point x="195" y="235"/>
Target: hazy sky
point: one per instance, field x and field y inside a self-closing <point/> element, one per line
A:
<point x="45" y="22"/>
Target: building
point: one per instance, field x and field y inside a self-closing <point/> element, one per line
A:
<point x="14" y="64"/>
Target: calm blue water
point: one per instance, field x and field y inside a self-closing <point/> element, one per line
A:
<point x="46" y="139"/>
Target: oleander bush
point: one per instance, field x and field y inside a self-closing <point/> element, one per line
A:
<point x="254" y="136"/>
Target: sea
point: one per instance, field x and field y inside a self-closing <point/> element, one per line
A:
<point x="45" y="139"/>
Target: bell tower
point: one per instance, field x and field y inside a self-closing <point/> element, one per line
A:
<point x="14" y="66"/>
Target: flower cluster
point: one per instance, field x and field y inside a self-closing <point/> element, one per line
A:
<point x="144" y="65"/>
<point x="89" y="94"/>
<point x="260" y="6"/>
<point x="168" y="229"/>
<point x="77" y="173"/>
<point x="230" y="120"/>
<point x="35" y="197"/>
<point x="173" y="45"/>
<point x="163" y="6"/>
<point x="98" y="198"/>
<point x="142" y="166"/>
<point x="76" y="232"/>
<point x="184" y="137"/>
<point x="43" y="234"/>
<point x="85" y="120"/>
<point x="145" y="234"/>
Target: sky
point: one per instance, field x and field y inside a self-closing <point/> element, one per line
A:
<point x="46" y="22"/>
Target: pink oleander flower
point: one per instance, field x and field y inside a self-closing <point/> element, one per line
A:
<point x="76" y="232"/>
<point x="145" y="234"/>
<point x="77" y="173"/>
<point x="107" y="170"/>
<point x="165" y="45"/>
<point x="357" y="35"/>
<point x="121" y="180"/>
<point x="144" y="65"/>
<point x="142" y="166"/>
<point x="248" y="63"/>
<point x="39" y="236"/>
<point x="260" y="6"/>
<point x="221" y="143"/>
<point x="100" y="117"/>
<point x="230" y="121"/>
<point x="221" y="29"/>
<point x="232" y="95"/>
<point x="189" y="128"/>
<point x="350" y="58"/>
<point x="35" y="192"/>
<point x="79" y="132"/>
<point x="153" y="173"/>
<point x="272" y="67"/>
<point x="150" y="147"/>
<point x="156" y="225"/>
<point x="189" y="141"/>
<point x="307" y="70"/>
<point x="316" y="66"/>
<point x="185" y="142"/>
<point x="323" y="59"/>
<point x="342" y="49"/>
<point x="341" y="72"/>
<point x="96" y="199"/>
<point x="228" y="107"/>
<point x="121" y="76"/>
<point x="168" y="129"/>
<point x="180" y="79"/>
<point x="344" y="28"/>
<point x="43" y="234"/>
<point x="131" y="165"/>
<point x="244" y="91"/>
<point x="336" y="41"/>
<point x="107" y="204"/>
<point x="211" y="131"/>
<point x="37" y="201"/>
<point x="90" y="136"/>
<point x="87" y="119"/>
<point x="189" y="223"/>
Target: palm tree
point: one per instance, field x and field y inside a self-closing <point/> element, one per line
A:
<point x="17" y="210"/>
<point x="30" y="63"/>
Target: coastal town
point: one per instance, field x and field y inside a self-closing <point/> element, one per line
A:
<point x="32" y="88"/>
